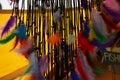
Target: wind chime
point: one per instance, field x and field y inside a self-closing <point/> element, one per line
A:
<point x="61" y="38"/>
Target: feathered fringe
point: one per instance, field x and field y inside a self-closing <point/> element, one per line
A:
<point x="35" y="66"/>
<point x="15" y="43"/>
<point x="54" y="39"/>
<point x="10" y="23"/>
<point x="86" y="29"/>
<point x="81" y="70"/>
<point x="85" y="64"/>
<point x="85" y="44"/>
<point x="92" y="64"/>
<point x="111" y="25"/>
<point x="21" y="32"/>
<point x="109" y="4"/>
<point x="7" y="39"/>
<point x="99" y="25"/>
<point x="43" y="61"/>
<point x="91" y="33"/>
<point x="74" y="75"/>
<point x="114" y="14"/>
<point x="26" y="47"/>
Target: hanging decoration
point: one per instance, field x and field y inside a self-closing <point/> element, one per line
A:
<point x="48" y="36"/>
<point x="8" y="38"/>
<point x="25" y="47"/>
<point x="10" y="23"/>
<point x="53" y="39"/>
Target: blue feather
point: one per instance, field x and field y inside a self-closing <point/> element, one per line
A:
<point x="21" y="32"/>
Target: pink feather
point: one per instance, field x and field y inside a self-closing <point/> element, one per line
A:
<point x="27" y="46"/>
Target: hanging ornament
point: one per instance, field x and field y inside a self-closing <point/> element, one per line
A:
<point x="10" y="23"/>
<point x="21" y="32"/>
<point x="54" y="39"/>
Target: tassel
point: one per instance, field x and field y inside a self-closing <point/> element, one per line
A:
<point x="7" y="39"/>
<point x="21" y="32"/>
<point x="115" y="15"/>
<point x="10" y="23"/>
<point x="26" y="47"/>
<point x="54" y="39"/>
<point x="85" y="44"/>
<point x="86" y="28"/>
<point x="100" y="26"/>
<point x="74" y="75"/>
